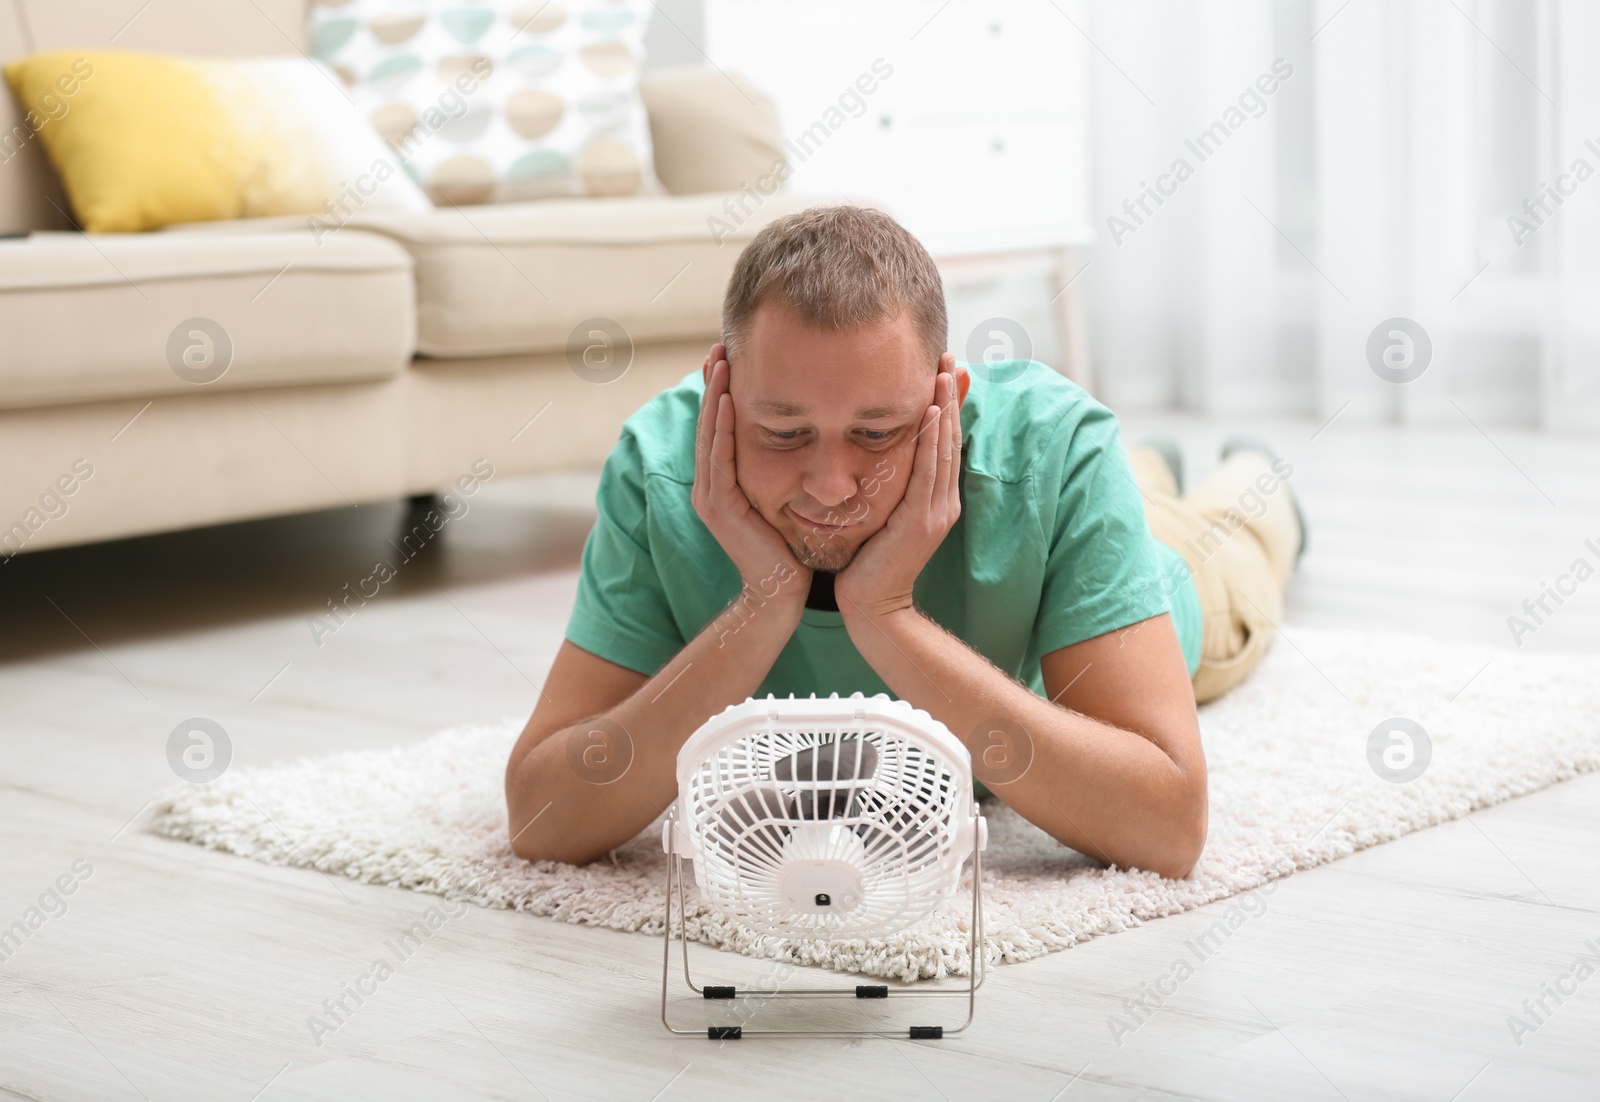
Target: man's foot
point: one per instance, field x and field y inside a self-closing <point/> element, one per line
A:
<point x="1167" y="448"/>
<point x="1247" y="443"/>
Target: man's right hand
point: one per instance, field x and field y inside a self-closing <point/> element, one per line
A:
<point x="762" y="556"/>
<point x="559" y="810"/>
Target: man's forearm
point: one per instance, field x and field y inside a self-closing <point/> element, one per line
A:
<point x="561" y="812"/>
<point x="1104" y="791"/>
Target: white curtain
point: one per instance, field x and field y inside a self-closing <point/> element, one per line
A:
<point x="1378" y="179"/>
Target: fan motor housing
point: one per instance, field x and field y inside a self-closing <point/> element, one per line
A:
<point x="821" y="887"/>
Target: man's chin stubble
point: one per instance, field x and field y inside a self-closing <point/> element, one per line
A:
<point x="828" y="555"/>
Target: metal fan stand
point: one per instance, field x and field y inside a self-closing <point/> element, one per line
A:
<point x="975" y="972"/>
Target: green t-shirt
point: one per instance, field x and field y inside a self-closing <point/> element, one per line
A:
<point x="1051" y="548"/>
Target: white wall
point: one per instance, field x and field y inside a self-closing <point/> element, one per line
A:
<point x="676" y="35"/>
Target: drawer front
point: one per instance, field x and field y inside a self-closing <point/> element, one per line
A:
<point x="1000" y="183"/>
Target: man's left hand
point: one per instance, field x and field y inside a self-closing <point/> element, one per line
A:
<point x="880" y="579"/>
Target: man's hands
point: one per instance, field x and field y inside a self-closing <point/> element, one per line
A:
<point x="880" y="579"/>
<point x="756" y="548"/>
<point x="884" y="572"/>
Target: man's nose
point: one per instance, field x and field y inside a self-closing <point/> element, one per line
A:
<point x="830" y="480"/>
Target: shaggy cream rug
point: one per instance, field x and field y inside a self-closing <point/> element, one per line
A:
<point x="1293" y="784"/>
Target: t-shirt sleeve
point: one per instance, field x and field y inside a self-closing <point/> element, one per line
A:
<point x="1102" y="572"/>
<point x="621" y="612"/>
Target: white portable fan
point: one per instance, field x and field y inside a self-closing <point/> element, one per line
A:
<point x="824" y="818"/>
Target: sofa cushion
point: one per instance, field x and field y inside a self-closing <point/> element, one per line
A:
<point x="712" y="131"/>
<point x="142" y="141"/>
<point x="521" y="277"/>
<point x="91" y="317"/>
<point x="30" y="195"/>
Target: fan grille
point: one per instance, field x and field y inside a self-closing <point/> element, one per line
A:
<point x="845" y="829"/>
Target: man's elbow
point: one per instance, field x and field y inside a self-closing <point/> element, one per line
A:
<point x="529" y="849"/>
<point x="541" y="836"/>
<point x="532" y="838"/>
<point x="532" y="846"/>
<point x="537" y="832"/>
<point x="1177" y="864"/>
<point x="536" y="851"/>
<point x="1185" y="845"/>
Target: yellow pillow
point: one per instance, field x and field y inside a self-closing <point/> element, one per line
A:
<point x="142" y="141"/>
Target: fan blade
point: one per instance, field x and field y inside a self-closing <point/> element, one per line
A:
<point x="848" y="759"/>
<point x="755" y="824"/>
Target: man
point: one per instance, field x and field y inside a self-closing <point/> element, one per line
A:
<point x="833" y="504"/>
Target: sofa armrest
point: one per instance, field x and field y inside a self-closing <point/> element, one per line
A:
<point x="712" y="131"/>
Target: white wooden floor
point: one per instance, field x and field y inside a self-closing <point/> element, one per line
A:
<point x="180" y="973"/>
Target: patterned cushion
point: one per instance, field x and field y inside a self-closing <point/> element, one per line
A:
<point x="499" y="100"/>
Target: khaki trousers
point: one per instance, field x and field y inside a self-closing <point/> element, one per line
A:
<point x="1238" y="532"/>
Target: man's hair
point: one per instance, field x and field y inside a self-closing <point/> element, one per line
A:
<point x="837" y="267"/>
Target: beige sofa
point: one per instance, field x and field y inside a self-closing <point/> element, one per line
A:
<point x="383" y="359"/>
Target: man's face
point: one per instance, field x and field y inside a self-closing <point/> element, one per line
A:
<point x="826" y="424"/>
